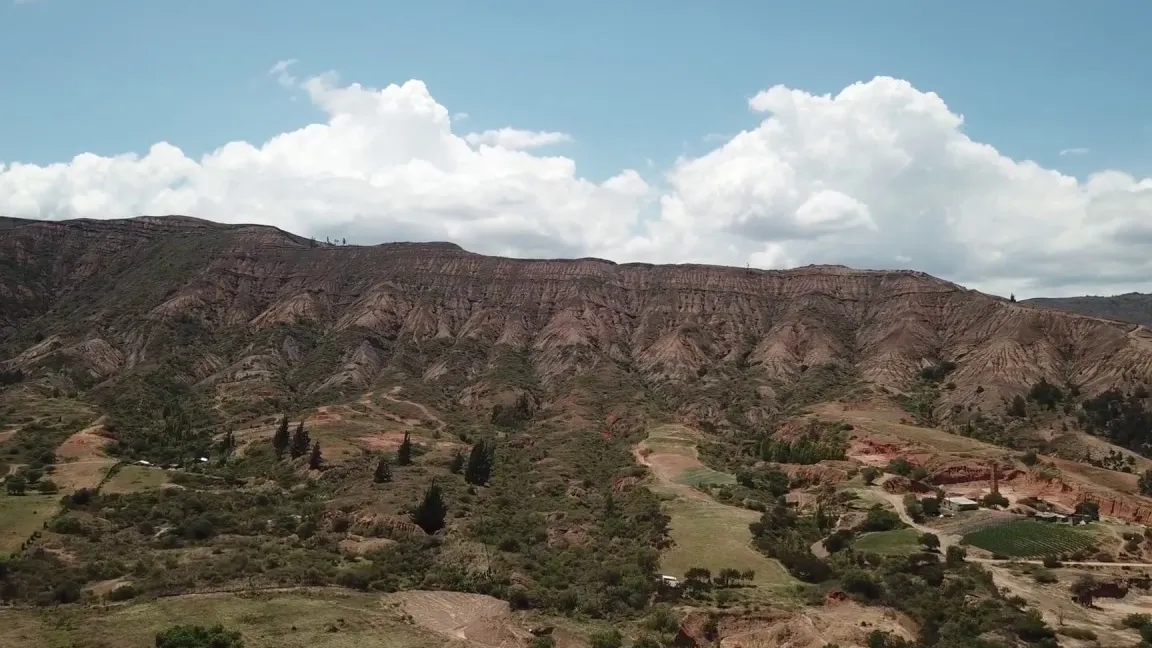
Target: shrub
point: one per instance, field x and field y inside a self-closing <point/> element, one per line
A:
<point x="194" y="636"/>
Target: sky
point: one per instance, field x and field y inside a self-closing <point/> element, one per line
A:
<point x="1003" y="146"/>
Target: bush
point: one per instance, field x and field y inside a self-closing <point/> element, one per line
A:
<point x="606" y="639"/>
<point x="193" y="636"/>
<point x="1044" y="576"/>
<point x="122" y="593"/>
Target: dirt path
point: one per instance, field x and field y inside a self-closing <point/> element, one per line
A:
<point x="668" y="482"/>
<point x="391" y="395"/>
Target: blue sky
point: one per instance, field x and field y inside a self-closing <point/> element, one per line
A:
<point x="629" y="80"/>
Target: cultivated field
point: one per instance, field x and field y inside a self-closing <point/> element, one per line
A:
<point x="1027" y="538"/>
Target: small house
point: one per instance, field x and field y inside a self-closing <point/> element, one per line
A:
<point x="669" y="581"/>
<point x="957" y="504"/>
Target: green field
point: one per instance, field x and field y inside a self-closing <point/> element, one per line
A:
<point x="21" y="515"/>
<point x="132" y="479"/>
<point x="1027" y="538"/>
<point x="898" y="542"/>
<point x="288" y="620"/>
<point x="705" y="476"/>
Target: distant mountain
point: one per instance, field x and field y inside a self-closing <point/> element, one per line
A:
<point x="1135" y="308"/>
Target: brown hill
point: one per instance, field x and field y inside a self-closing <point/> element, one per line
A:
<point x="1135" y="308"/>
<point x="253" y="320"/>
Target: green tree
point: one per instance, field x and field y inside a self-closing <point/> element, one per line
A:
<point x="383" y="472"/>
<point x="480" y="461"/>
<point x="194" y="636"/>
<point x="1145" y="482"/>
<point x="457" y="465"/>
<point x="281" y="440"/>
<point x="954" y="555"/>
<point x="1088" y="509"/>
<point x="315" y="460"/>
<point x="432" y="511"/>
<point x="16" y="485"/>
<point x="930" y="541"/>
<point x="47" y="486"/>
<point x="869" y="474"/>
<point x="301" y="443"/>
<point x="404" y="452"/>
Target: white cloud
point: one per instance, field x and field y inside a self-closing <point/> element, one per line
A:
<point x="878" y="175"/>
<point x="516" y="139"/>
<point x="1074" y="151"/>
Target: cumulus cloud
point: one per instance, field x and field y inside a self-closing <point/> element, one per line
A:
<point x="877" y="175"/>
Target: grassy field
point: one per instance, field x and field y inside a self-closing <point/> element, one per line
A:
<point x="705" y="532"/>
<point x="288" y="620"/>
<point x="133" y="479"/>
<point x="898" y="542"/>
<point x="714" y="536"/>
<point x="1027" y="538"/>
<point x="20" y="516"/>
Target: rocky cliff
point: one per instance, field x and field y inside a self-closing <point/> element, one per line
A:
<point x="245" y="313"/>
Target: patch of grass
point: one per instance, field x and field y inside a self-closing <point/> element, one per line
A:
<point x="714" y="536"/>
<point x="898" y="542"/>
<point x="20" y="516"/>
<point x="290" y="620"/>
<point x="705" y="476"/>
<point x="132" y="479"/>
<point x="1026" y="538"/>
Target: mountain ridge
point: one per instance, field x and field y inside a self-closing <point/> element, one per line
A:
<point x="256" y="306"/>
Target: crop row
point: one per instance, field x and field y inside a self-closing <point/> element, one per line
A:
<point x="1027" y="538"/>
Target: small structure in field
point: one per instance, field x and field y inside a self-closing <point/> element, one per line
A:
<point x="669" y="581"/>
<point x="957" y="504"/>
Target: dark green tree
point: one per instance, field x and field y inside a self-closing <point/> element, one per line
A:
<point x="383" y="472"/>
<point x="432" y="511"/>
<point x="457" y="465"/>
<point x="404" y="452"/>
<point x="1145" y="483"/>
<point x="315" y="460"/>
<point x="194" y="636"/>
<point x="301" y="443"/>
<point x="16" y="485"/>
<point x="281" y="440"/>
<point x="480" y="461"/>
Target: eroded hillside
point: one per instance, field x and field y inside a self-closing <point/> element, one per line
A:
<point x="251" y="315"/>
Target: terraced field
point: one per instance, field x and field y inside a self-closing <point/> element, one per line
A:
<point x="1028" y="538"/>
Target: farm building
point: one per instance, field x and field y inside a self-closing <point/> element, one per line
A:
<point x="1046" y="516"/>
<point x="957" y="504"/>
<point x="669" y="581"/>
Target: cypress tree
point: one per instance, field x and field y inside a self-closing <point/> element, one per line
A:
<point x="281" y="440"/>
<point x="404" y="452"/>
<point x="480" y="460"/>
<point x="316" y="459"/>
<point x="457" y="464"/>
<point x="432" y="511"/>
<point x="383" y="472"/>
<point x="301" y="444"/>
